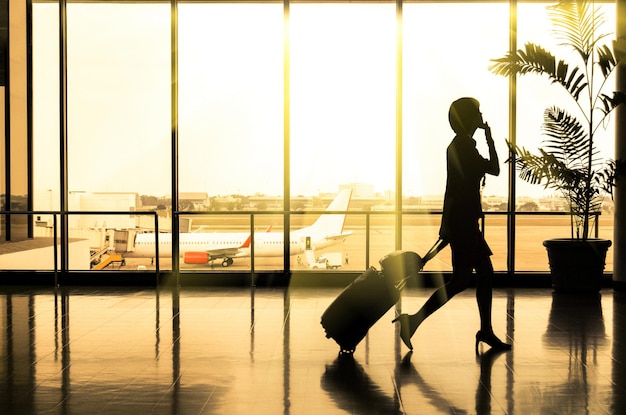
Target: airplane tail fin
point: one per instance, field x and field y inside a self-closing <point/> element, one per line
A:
<point x="332" y="223"/>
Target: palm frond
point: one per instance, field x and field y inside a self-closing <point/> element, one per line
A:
<point x="575" y="22"/>
<point x="567" y="138"/>
<point x="532" y="59"/>
<point x="547" y="169"/>
<point x="606" y="60"/>
<point x="535" y="59"/>
<point x="604" y="178"/>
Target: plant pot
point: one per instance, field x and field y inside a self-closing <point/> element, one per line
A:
<point x="577" y="266"/>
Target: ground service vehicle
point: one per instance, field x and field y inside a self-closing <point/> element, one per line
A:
<point x="329" y="260"/>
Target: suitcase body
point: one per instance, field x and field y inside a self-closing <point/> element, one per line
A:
<point x="401" y="265"/>
<point x="361" y="304"/>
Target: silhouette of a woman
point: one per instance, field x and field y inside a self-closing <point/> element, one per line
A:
<point x="462" y="211"/>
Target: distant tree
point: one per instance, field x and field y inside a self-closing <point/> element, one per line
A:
<point x="299" y="205"/>
<point x="165" y="201"/>
<point x="528" y="207"/>
<point x="215" y="205"/>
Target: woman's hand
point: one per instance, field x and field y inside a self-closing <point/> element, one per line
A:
<point x="487" y="129"/>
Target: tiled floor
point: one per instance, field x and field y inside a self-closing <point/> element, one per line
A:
<point x="239" y="351"/>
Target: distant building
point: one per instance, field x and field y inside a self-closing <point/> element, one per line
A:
<point x="103" y="201"/>
<point x="364" y="190"/>
<point x="432" y="202"/>
<point x="199" y="200"/>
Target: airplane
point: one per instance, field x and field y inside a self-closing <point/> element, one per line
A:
<point x="204" y="247"/>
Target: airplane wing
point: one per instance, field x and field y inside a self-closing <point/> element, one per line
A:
<point x="223" y="253"/>
<point x="231" y="251"/>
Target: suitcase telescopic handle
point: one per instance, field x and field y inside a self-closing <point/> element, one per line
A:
<point x="434" y="250"/>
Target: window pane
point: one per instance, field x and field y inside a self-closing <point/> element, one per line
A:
<point x="342" y="96"/>
<point x="222" y="241"/>
<point x="46" y="179"/>
<point x="343" y="89"/>
<point x="231" y="98"/>
<point x="231" y="130"/>
<point x="447" y="50"/>
<point x="118" y="112"/>
<point x="534" y="95"/>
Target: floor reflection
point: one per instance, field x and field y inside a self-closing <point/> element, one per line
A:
<point x="575" y="325"/>
<point x="235" y="351"/>
<point x="352" y="390"/>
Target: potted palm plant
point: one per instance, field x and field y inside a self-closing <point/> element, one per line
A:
<point x="568" y="161"/>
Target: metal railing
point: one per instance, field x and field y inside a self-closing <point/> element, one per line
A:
<point x="56" y="231"/>
<point x="252" y="215"/>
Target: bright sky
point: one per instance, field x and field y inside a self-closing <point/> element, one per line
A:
<point x="343" y="89"/>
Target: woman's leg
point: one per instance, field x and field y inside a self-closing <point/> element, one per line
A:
<point x="410" y="322"/>
<point x="459" y="282"/>
<point x="484" y="286"/>
<point x="484" y="298"/>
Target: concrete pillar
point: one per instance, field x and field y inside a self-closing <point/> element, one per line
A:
<point x="619" y="234"/>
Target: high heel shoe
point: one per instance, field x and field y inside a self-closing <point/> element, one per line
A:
<point x="491" y="340"/>
<point x="406" y="331"/>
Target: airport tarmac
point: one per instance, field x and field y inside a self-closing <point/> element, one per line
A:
<point x="362" y="253"/>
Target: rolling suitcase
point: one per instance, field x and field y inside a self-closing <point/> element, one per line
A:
<point x="362" y="303"/>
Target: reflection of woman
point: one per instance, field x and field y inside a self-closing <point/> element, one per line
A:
<point x="462" y="210"/>
<point x="406" y="373"/>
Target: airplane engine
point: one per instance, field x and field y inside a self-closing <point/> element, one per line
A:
<point x="196" y="257"/>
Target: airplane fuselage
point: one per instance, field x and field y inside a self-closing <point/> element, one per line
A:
<point x="202" y="247"/>
<point x="265" y="244"/>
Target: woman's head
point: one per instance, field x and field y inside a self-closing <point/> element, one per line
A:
<point x="465" y="116"/>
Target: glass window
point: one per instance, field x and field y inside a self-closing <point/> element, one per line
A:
<point x="534" y="95"/>
<point x="342" y="78"/>
<point x="446" y="51"/>
<point x="231" y="139"/>
<point x="231" y="99"/>
<point x="118" y="117"/>
<point x="46" y="144"/>
<point x="337" y="65"/>
<point x="342" y="118"/>
<point x="119" y="102"/>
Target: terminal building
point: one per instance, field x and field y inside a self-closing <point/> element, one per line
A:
<point x="187" y="187"/>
